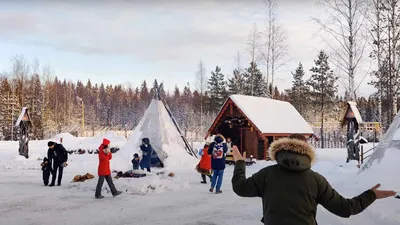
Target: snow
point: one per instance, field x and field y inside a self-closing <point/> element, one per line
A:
<point x="357" y="114"/>
<point x="272" y="116"/>
<point x="390" y="139"/>
<point x="71" y="142"/>
<point x="21" y="115"/>
<point x="180" y="200"/>
<point x="165" y="139"/>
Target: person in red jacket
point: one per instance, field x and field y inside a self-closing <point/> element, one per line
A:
<point x="104" y="170"/>
<point x="204" y="166"/>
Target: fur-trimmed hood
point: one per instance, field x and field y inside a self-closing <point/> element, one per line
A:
<point x="292" y="153"/>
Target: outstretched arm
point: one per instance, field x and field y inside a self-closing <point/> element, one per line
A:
<point x="251" y="187"/>
<point x="337" y="204"/>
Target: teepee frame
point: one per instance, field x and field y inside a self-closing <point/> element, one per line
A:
<point x="188" y="148"/>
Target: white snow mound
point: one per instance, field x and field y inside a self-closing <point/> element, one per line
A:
<point x="151" y="184"/>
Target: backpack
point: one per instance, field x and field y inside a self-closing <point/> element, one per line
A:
<point x="218" y="151"/>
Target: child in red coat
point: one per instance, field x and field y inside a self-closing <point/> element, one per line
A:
<point x="204" y="166"/>
<point x="104" y="170"/>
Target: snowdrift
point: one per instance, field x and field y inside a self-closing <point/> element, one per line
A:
<point x="137" y="186"/>
<point x="71" y="142"/>
<point x="383" y="172"/>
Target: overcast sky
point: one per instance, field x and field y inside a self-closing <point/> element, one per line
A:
<point x="127" y="41"/>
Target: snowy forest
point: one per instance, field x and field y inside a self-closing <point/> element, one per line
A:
<point x="356" y="33"/>
<point x="56" y="104"/>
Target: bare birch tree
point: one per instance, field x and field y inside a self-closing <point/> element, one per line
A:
<point x="376" y="36"/>
<point x="344" y="26"/>
<point x="392" y="17"/>
<point x="201" y="83"/>
<point x="253" y="46"/>
<point x="20" y="71"/>
<point x="274" y="48"/>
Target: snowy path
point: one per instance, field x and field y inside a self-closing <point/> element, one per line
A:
<point x="25" y="201"/>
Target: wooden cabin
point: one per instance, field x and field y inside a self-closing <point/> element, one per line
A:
<point x="253" y="123"/>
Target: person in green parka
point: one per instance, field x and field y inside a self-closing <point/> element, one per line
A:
<point x="291" y="191"/>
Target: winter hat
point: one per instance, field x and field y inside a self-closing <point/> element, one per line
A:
<point x="106" y="141"/>
<point x="50" y="143"/>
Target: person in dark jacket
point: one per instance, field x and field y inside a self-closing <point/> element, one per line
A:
<point x="291" y="191"/>
<point x="58" y="157"/>
<point x="217" y="150"/>
<point x="46" y="170"/>
<point x="147" y="151"/>
<point x="135" y="161"/>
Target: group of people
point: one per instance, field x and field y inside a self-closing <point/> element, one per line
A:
<point x="290" y="190"/>
<point x="212" y="162"/>
<point x="57" y="157"/>
<point x="56" y="160"/>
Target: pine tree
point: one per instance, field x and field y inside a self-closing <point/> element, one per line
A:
<point x="254" y="85"/>
<point x="323" y="87"/>
<point x="236" y="84"/>
<point x="153" y="90"/>
<point x="217" y="89"/>
<point x="299" y="92"/>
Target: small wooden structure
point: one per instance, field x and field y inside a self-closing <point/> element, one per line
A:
<point x="352" y="119"/>
<point x="24" y="123"/>
<point x="253" y="123"/>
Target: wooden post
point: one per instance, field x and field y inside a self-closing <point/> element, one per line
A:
<point x="24" y="123"/>
<point x="362" y="154"/>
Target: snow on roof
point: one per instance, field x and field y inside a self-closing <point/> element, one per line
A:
<point x="272" y="116"/>
<point x="21" y="116"/>
<point x="357" y="114"/>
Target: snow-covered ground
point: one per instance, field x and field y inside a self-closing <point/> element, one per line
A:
<point x="180" y="200"/>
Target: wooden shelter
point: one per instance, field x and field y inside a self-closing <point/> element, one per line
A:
<point x="352" y="118"/>
<point x="24" y="123"/>
<point x="253" y="123"/>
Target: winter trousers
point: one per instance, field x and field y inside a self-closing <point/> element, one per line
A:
<point x="46" y="177"/>
<point x="148" y="168"/>
<point x="217" y="177"/>
<point x="54" y="174"/>
<point x="100" y="185"/>
<point x="203" y="177"/>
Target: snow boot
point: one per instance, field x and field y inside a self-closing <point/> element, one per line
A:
<point x="218" y="192"/>
<point x="397" y="196"/>
<point x="117" y="193"/>
<point x="211" y="190"/>
<point x="51" y="185"/>
<point x="203" y="182"/>
<point x="99" y="197"/>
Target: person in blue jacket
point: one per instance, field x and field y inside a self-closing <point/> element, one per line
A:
<point x="147" y="151"/>
<point x="217" y="150"/>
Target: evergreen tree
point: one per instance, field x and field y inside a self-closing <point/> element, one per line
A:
<point x="236" y="84"/>
<point x="299" y="92"/>
<point x="323" y="87"/>
<point x="254" y="85"/>
<point x="153" y="90"/>
<point x="217" y="89"/>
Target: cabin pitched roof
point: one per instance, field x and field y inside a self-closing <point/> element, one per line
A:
<point x="271" y="116"/>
